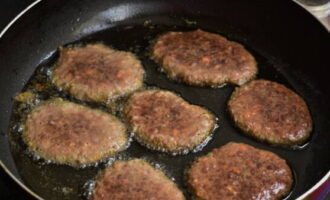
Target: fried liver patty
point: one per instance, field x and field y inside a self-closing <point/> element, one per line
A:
<point x="68" y="133"/>
<point x="134" y="180"/>
<point x="166" y="122"/>
<point x="270" y="112"/>
<point x="203" y="59"/>
<point x="239" y="172"/>
<point x="97" y="73"/>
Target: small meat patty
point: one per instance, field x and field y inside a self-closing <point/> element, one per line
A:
<point x="239" y="172"/>
<point x="97" y="73"/>
<point x="203" y="59"/>
<point x="134" y="180"/>
<point x="68" y="133"/>
<point x="164" y="121"/>
<point x="270" y="112"/>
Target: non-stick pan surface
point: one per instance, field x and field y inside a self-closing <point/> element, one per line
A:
<point x="290" y="47"/>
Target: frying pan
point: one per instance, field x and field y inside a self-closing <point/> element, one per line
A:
<point x="290" y="46"/>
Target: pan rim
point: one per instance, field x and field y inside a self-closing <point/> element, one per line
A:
<point x="20" y="183"/>
<point x="319" y="12"/>
<point x="318" y="184"/>
<point x="32" y="193"/>
<point x="3" y="31"/>
<point x="3" y="166"/>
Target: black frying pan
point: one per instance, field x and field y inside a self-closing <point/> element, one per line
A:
<point x="291" y="47"/>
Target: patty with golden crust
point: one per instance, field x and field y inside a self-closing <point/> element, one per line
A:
<point x="134" y="180"/>
<point x="203" y="59"/>
<point x="97" y="73"/>
<point x="238" y="171"/>
<point x="164" y="121"/>
<point x="270" y="112"/>
<point x="69" y="133"/>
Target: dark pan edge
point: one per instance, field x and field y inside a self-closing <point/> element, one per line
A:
<point x="3" y="166"/>
<point x="28" y="190"/>
<point x="18" y="16"/>
<point x="315" y="9"/>
<point x="21" y="184"/>
<point x="318" y="184"/>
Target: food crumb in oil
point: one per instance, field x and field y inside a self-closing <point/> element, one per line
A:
<point x="25" y="97"/>
<point x="67" y="190"/>
<point x="189" y="22"/>
<point x="40" y="87"/>
<point x="146" y="22"/>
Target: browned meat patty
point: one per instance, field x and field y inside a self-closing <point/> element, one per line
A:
<point x="134" y="180"/>
<point x="270" y="112"/>
<point x="97" y="73"/>
<point x="68" y="133"/>
<point x="203" y="59"/>
<point x="239" y="172"/>
<point x="166" y="122"/>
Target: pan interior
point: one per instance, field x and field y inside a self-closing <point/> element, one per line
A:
<point x="53" y="181"/>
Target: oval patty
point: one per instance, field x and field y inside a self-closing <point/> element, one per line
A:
<point x="270" y="112"/>
<point x="134" y="180"/>
<point x="239" y="172"/>
<point x="68" y="133"/>
<point x="97" y="73"/>
<point x="164" y="121"/>
<point x="203" y="59"/>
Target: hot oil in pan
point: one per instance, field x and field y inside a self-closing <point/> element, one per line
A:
<point x="53" y="181"/>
